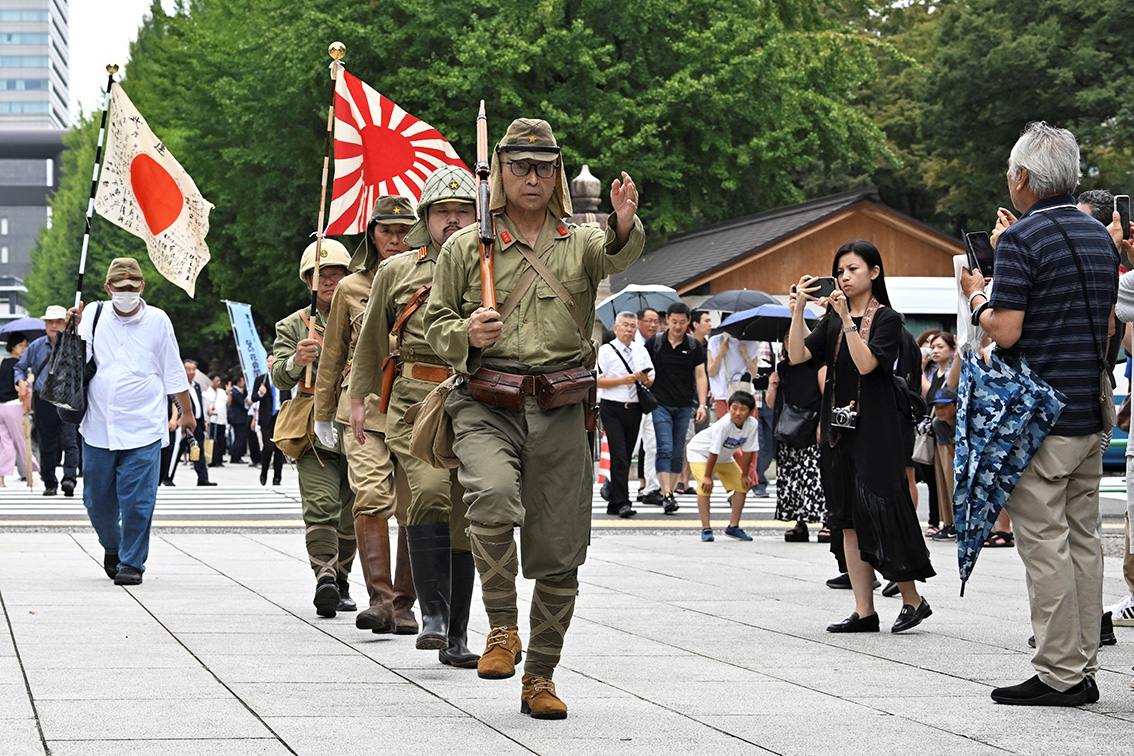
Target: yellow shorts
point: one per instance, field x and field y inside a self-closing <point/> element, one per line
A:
<point x="728" y="473"/>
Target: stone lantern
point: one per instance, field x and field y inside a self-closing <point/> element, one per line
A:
<point x="586" y="195"/>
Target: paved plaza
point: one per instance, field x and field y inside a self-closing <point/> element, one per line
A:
<point x="677" y="647"/>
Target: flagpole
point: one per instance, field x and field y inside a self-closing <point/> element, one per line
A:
<point x="111" y="69"/>
<point x="337" y="50"/>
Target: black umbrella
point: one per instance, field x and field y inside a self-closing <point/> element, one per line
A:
<point x="736" y="300"/>
<point x="768" y="322"/>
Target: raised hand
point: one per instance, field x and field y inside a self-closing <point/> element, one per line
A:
<point x="624" y="199"/>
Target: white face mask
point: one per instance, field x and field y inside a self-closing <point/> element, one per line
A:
<point x="125" y="301"/>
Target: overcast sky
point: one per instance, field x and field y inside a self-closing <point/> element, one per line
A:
<point x="101" y="32"/>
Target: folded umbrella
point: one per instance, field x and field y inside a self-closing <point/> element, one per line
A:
<point x="1003" y="416"/>
<point x="633" y="298"/>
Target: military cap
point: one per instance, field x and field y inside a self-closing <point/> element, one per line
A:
<point x="449" y="183"/>
<point x="393" y="209"/>
<point x="124" y="272"/>
<point x="332" y="253"/>
<point x="529" y="139"/>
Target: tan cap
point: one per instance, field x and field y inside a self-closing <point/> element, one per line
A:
<point x="124" y="272"/>
<point x="55" y="312"/>
<point x="529" y="139"/>
<point x="331" y="253"/>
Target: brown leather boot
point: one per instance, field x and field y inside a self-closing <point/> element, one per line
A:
<point x="502" y="652"/>
<point x="404" y="594"/>
<point x="538" y="699"/>
<point x="373" y="535"/>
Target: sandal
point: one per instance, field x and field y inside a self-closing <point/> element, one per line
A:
<point x="824" y="536"/>
<point x="1000" y="539"/>
<point x="931" y="531"/>
<point x="796" y="534"/>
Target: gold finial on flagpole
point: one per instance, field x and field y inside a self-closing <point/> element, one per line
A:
<point x="337" y="50"/>
<point x="112" y="68"/>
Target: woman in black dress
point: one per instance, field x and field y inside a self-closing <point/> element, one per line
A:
<point x="863" y="466"/>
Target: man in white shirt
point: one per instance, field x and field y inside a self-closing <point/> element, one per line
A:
<point x="648" y="322"/>
<point x="622" y="363"/>
<point x="125" y="425"/>
<point x="218" y="421"/>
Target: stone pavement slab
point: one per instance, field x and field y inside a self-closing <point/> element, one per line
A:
<point x="676" y="647"/>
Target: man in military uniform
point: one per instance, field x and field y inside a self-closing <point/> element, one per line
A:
<point x="323" y="484"/>
<point x="371" y="470"/>
<point x="529" y="467"/>
<point x="443" y="570"/>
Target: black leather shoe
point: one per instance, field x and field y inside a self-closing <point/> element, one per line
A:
<point x="891" y="590"/>
<point x="910" y="618"/>
<point x="1106" y="631"/>
<point x="128" y="576"/>
<point x="167" y="482"/>
<point x="110" y="563"/>
<point x="326" y="597"/>
<point x="68" y="487"/>
<point x="50" y="491"/>
<point x="1034" y="692"/>
<point x="346" y="603"/>
<point x="1092" y="689"/>
<point x="625" y="512"/>
<point x="604" y="491"/>
<point x="653" y="497"/>
<point x="263" y="477"/>
<point x="856" y="624"/>
<point x="205" y="483"/>
<point x="842" y="582"/>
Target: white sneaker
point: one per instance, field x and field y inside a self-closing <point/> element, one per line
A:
<point x="1122" y="613"/>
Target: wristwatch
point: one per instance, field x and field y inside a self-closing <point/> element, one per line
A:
<point x="850" y="329"/>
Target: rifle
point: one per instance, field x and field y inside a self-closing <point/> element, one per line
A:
<point x="486" y="229"/>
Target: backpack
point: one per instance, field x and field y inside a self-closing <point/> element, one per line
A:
<point x="907" y="379"/>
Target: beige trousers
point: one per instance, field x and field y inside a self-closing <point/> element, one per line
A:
<point x="1054" y="509"/>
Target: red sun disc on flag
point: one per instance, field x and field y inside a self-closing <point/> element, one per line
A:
<point x="157" y="193"/>
<point x="379" y="149"/>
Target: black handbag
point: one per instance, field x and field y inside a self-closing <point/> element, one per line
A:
<point x="795" y="426"/>
<point x="69" y="372"/>
<point x="647" y="402"/>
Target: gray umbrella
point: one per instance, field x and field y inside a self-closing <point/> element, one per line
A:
<point x="736" y="300"/>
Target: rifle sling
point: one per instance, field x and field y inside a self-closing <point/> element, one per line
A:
<point x="416" y="301"/>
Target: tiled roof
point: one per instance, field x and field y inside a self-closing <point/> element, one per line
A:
<point x="692" y="254"/>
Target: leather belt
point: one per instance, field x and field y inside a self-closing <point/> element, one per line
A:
<point x="624" y="405"/>
<point x="423" y="371"/>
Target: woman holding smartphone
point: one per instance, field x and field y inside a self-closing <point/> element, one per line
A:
<point x="862" y="457"/>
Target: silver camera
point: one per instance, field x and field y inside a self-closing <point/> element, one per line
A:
<point x="844" y="417"/>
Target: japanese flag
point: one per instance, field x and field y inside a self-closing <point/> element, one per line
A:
<point x="143" y="189"/>
<point x="379" y="149"/>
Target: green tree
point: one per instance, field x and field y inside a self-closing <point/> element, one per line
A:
<point x="714" y="106"/>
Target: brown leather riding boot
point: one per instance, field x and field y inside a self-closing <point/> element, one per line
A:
<point x="404" y="593"/>
<point x="373" y="535"/>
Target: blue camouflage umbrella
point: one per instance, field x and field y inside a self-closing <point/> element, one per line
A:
<point x="1003" y="415"/>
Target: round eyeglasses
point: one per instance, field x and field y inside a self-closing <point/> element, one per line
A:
<point x="543" y="169"/>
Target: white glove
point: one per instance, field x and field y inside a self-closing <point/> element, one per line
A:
<point x="327" y="434"/>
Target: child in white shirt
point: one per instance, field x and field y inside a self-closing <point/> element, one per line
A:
<point x="738" y="431"/>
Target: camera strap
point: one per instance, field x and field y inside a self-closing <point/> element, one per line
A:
<point x="1086" y="298"/>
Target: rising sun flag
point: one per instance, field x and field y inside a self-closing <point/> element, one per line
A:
<point x="143" y="189"/>
<point x="379" y="149"/>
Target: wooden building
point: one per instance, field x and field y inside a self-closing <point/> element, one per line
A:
<point x="769" y="251"/>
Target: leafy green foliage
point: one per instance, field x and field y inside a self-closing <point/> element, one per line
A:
<point x="716" y="107"/>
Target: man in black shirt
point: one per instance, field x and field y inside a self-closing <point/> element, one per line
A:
<point x="680" y="384"/>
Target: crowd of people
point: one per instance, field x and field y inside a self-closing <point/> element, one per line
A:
<point x="408" y="391"/>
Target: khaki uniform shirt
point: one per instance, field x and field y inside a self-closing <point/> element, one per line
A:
<point x="395" y="283"/>
<point x="541" y="331"/>
<point x="285" y="373"/>
<point x="344" y="323"/>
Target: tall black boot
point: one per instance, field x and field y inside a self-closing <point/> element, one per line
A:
<point x="429" y="552"/>
<point x="460" y="604"/>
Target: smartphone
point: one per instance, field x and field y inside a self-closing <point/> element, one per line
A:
<point x="1122" y="207"/>
<point x="978" y="248"/>
<point x="647" y="371"/>
<point x="826" y="286"/>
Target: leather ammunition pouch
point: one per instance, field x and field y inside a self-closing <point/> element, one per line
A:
<point x="561" y="388"/>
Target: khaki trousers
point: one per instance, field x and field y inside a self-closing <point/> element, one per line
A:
<point x="530" y="469"/>
<point x="1127" y="556"/>
<point x="372" y="475"/>
<point x="327" y="499"/>
<point x="434" y="495"/>
<point x="1055" y="509"/>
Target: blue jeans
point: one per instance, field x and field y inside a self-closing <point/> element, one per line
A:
<point x="670" y="427"/>
<point x="119" y="492"/>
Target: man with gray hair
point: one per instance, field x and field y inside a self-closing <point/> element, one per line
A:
<point x="1056" y="284"/>
<point x="622" y="364"/>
